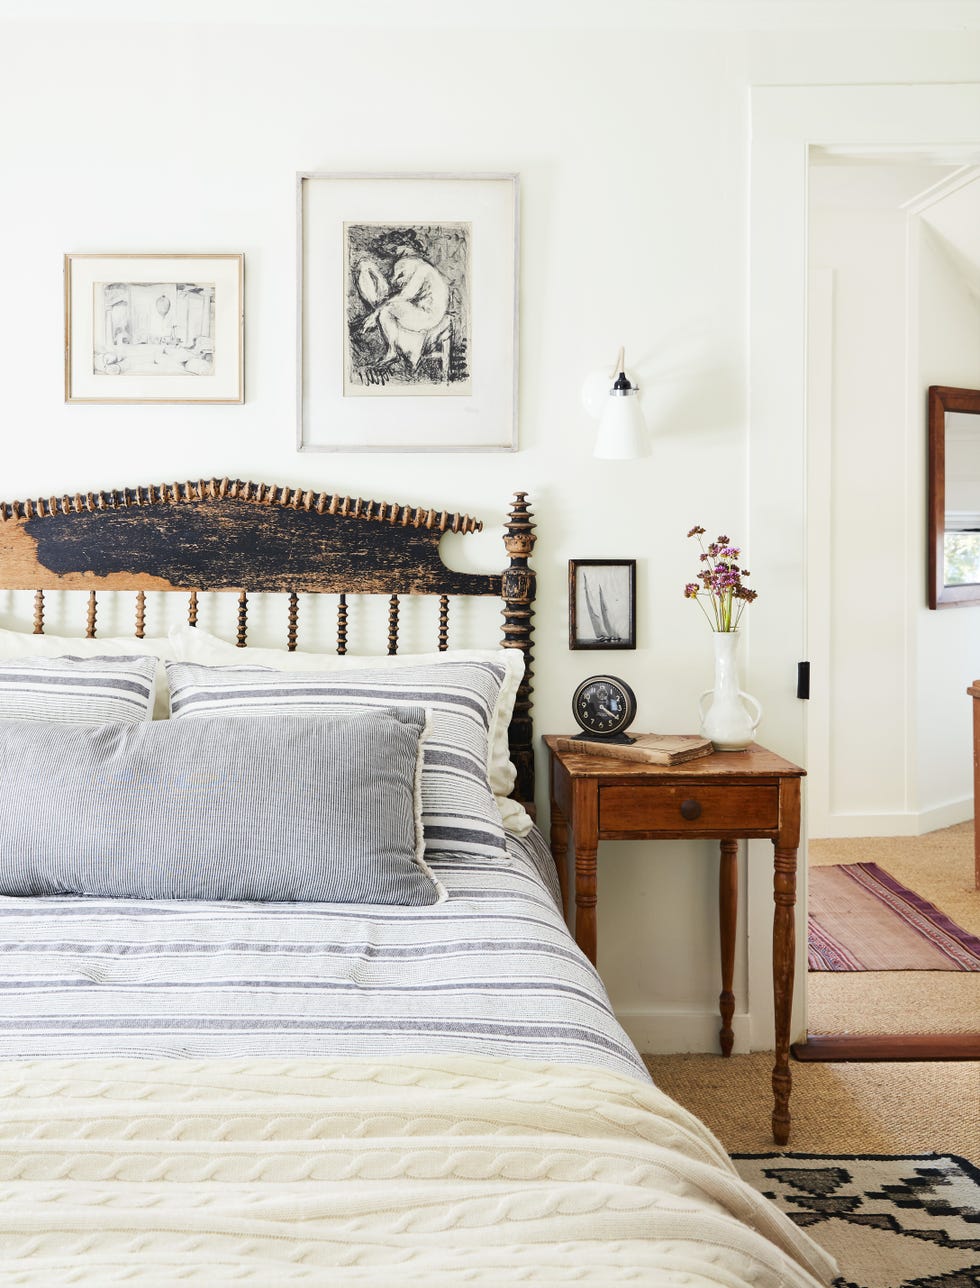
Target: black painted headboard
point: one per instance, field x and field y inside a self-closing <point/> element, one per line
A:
<point x="231" y="536"/>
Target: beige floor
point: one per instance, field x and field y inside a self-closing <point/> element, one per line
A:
<point x="938" y="866"/>
<point x="886" y="1108"/>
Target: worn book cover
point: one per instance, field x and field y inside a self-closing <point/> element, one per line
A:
<point x="650" y="748"/>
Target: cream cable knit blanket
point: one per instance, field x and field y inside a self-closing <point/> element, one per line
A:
<point x="436" y="1171"/>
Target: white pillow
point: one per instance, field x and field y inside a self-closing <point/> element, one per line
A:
<point x="192" y="644"/>
<point x="22" y="644"/>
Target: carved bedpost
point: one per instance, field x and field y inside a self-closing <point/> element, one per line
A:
<point x="517" y="589"/>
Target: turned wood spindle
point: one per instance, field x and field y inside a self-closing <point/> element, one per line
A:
<point x="393" y="625"/>
<point x="293" y="621"/>
<point x="39" y="612"/>
<point x="727" y="905"/>
<point x="783" y="954"/>
<point x="140" y="613"/>
<point x="90" y="619"/>
<point x="517" y="590"/>
<point x="192" y="609"/>
<point x="242" y="619"/>
<point x="443" y="623"/>
<point x="342" y="625"/>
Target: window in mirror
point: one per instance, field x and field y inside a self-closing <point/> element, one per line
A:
<point x="954" y="496"/>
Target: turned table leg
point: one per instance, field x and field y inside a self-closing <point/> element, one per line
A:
<point x="727" y="916"/>
<point x="585" y="844"/>
<point x="559" y="852"/>
<point x="974" y="691"/>
<point x="585" y="898"/>
<point x="783" y="965"/>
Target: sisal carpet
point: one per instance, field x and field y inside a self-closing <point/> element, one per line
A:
<point x="901" y="1108"/>
<point x="939" y="866"/>
<point x="906" y="1221"/>
<point x="862" y="919"/>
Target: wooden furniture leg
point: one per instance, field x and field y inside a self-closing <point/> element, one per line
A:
<point x="559" y="850"/>
<point x="585" y="844"/>
<point x="974" y="692"/>
<point x="727" y="916"/>
<point x="783" y="965"/>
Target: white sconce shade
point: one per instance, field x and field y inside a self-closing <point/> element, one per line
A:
<point x="622" y="432"/>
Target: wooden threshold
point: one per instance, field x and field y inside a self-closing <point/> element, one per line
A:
<point x="888" y="1046"/>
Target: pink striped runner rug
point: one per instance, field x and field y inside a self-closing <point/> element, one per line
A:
<point x="861" y="918"/>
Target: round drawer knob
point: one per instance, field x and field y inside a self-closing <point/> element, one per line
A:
<point x="690" y="809"/>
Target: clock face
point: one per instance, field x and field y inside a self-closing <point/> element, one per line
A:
<point x="603" y="705"/>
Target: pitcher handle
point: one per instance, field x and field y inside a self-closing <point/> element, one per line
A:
<point x="746" y="697"/>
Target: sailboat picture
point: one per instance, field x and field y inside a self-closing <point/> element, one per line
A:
<point x="602" y="603"/>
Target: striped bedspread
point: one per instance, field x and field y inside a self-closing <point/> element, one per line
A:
<point x="492" y="971"/>
<point x="430" y="1095"/>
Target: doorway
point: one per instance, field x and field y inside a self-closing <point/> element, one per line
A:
<point x="785" y="122"/>
<point x="892" y="258"/>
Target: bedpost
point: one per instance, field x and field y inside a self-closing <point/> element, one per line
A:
<point x="517" y="589"/>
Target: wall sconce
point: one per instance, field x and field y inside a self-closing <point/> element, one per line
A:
<point x="622" y="432"/>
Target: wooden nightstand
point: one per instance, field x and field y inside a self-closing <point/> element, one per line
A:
<point x="725" y="796"/>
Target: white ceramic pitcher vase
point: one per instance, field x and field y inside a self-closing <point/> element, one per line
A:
<point x="726" y="719"/>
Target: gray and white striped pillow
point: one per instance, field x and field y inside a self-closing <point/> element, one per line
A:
<point x="77" y="690"/>
<point x="283" y="809"/>
<point x="459" y="813"/>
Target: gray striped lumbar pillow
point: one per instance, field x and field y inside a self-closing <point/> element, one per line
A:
<point x="284" y="809"/>
<point x="77" y="690"/>
<point x="458" y="809"/>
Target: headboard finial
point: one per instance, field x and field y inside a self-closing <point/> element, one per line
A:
<point x="519" y="537"/>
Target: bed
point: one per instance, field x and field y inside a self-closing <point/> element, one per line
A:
<point x="415" y="1080"/>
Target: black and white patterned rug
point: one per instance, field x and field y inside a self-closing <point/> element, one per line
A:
<point x="891" y="1221"/>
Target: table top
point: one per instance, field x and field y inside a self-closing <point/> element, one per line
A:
<point x="753" y="762"/>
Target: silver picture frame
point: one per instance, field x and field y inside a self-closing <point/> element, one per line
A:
<point x="407" y="320"/>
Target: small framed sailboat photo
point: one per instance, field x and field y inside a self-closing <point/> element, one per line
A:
<point x="601" y="603"/>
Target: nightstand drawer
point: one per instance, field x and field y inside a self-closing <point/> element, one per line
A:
<point x="694" y="806"/>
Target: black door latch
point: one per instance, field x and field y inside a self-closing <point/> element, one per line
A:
<point x="803" y="679"/>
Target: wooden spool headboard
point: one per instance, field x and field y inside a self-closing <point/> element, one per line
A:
<point x="226" y="535"/>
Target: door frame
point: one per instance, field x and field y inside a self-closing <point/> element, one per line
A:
<point x="785" y="122"/>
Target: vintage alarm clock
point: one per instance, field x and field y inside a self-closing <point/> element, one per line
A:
<point x="604" y="707"/>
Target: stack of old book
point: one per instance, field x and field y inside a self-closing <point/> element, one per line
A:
<point x="647" y="748"/>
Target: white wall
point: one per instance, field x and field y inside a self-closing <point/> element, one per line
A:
<point x="861" y="683"/>
<point x="946" y="641"/>
<point x="632" y="147"/>
<point x="887" y="697"/>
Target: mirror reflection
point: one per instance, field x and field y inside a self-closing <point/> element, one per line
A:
<point x="962" y="509"/>
<point x="954" y="496"/>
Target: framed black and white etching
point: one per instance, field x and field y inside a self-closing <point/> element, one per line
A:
<point x="407" y="312"/>
<point x="154" y="328"/>
<point x="601" y="603"/>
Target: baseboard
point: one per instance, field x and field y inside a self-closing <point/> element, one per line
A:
<point x="887" y="1046"/>
<point x="674" y="1032"/>
<point x="835" y="826"/>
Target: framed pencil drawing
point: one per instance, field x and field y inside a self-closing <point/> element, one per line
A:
<point x="601" y="603"/>
<point x="407" y="312"/>
<point x="154" y="328"/>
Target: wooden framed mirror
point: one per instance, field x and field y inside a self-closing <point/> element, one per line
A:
<point x="954" y="497"/>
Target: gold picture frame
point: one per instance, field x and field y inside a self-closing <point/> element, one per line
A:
<point x="154" y="328"/>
